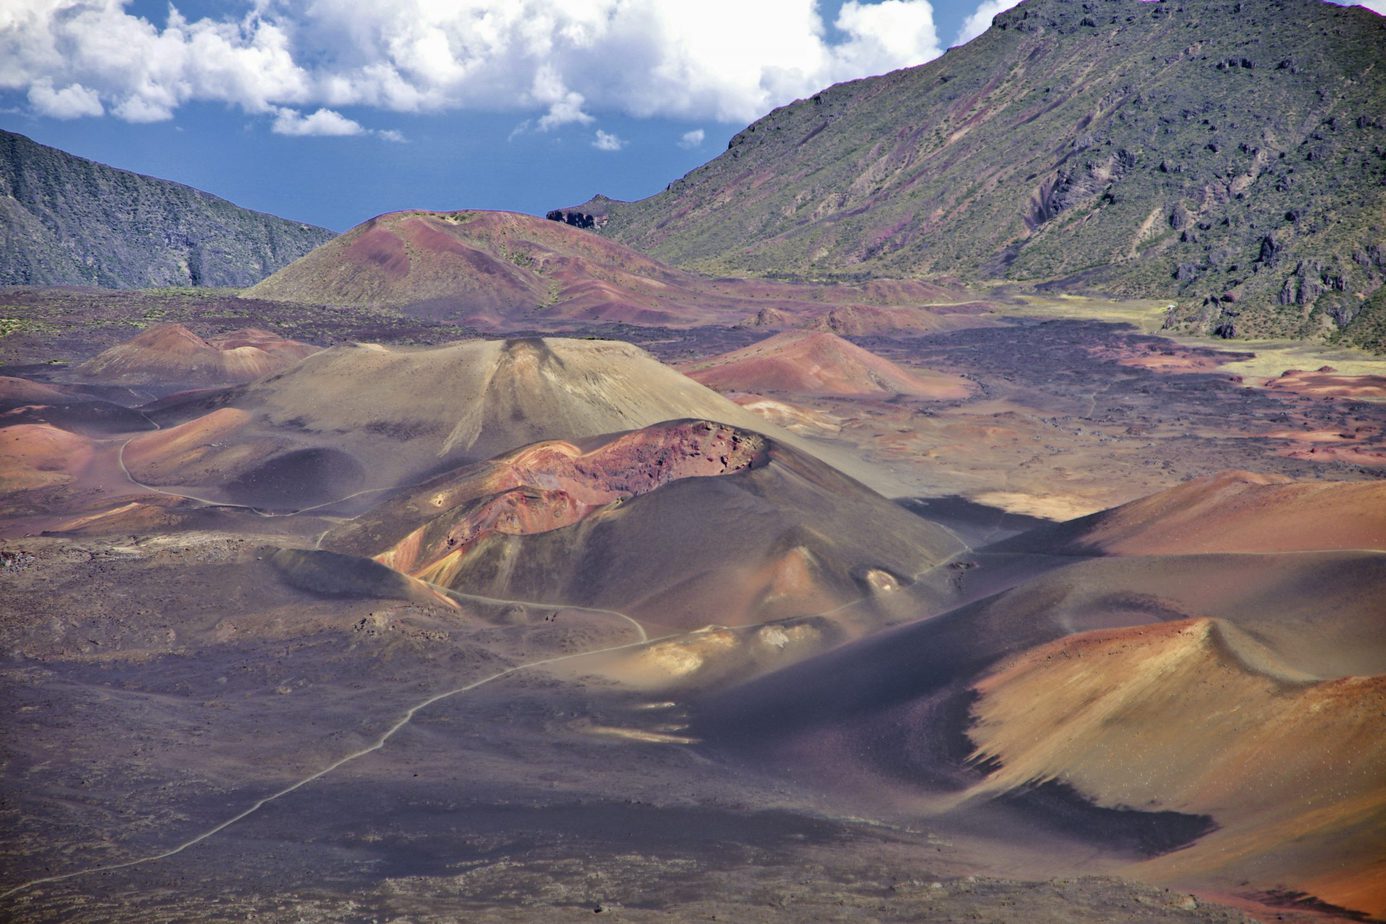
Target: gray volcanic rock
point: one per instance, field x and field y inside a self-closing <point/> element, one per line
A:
<point x="65" y="220"/>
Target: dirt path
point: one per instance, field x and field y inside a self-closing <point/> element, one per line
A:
<point x="379" y="743"/>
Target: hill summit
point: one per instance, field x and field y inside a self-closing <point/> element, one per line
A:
<point x="501" y="270"/>
<point x="1231" y="153"/>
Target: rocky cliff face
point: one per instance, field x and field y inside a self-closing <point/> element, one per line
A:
<point x="65" y="220"/>
<point x="1229" y="154"/>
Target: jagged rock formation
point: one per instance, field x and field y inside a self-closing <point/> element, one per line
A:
<point x="65" y="220"/>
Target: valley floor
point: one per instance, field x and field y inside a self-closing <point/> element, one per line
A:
<point x="199" y="727"/>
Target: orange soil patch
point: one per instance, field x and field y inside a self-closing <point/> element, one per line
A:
<point x="22" y="391"/>
<point x="1328" y="383"/>
<point x="1243" y="512"/>
<point x="39" y="456"/>
<point x="1352" y="455"/>
<point x="1168" y="357"/>
<point x="820" y="363"/>
<point x="207" y="445"/>
<point x="133" y="517"/>
<point x="1360" y="446"/>
<point x="1197" y="717"/>
<point x="173" y="353"/>
<point x="551" y="485"/>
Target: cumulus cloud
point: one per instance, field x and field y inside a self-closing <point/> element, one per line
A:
<point x="70" y="102"/>
<point x="693" y="139"/>
<point x="606" y="141"/>
<point x="323" y="122"/>
<point x="892" y="30"/>
<point x="980" y="20"/>
<point x="560" y="60"/>
<point x="326" y="123"/>
<point x="564" y="105"/>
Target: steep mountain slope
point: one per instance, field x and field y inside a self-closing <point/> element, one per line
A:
<point x="496" y="269"/>
<point x="65" y="220"/>
<point x="1230" y="153"/>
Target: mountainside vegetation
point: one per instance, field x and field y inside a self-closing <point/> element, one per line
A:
<point x="65" y="220"/>
<point x="1227" y="154"/>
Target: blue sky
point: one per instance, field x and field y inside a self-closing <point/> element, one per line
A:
<point x="336" y="110"/>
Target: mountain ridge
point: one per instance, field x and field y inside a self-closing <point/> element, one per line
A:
<point x="68" y="220"/>
<point x="1230" y="156"/>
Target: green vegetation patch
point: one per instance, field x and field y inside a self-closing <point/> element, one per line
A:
<point x="12" y="325"/>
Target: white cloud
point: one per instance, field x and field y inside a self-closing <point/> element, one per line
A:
<point x="560" y="60"/>
<point x="1376" y="6"/>
<point x="389" y="134"/>
<point x="323" y="122"/>
<point x="980" y="20"/>
<point x="606" y="141"/>
<point x="898" y="31"/>
<point x="564" y="106"/>
<point x="693" y="139"/>
<point x="70" y="102"/>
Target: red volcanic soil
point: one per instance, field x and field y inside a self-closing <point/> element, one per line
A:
<point x="551" y="485"/>
<point x="191" y="449"/>
<point x="499" y="269"/>
<point x="401" y="414"/>
<point x="1326" y="382"/>
<point x="170" y="353"/>
<point x="820" y="363"/>
<point x="1230" y="512"/>
<point x="1167" y="356"/>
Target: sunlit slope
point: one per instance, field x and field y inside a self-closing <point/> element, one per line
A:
<point x="681" y="524"/>
<point x="363" y="417"/>
<point x="1229" y="512"/>
<point x="171" y="354"/>
<point x="1224" y="153"/>
<point x="820" y="363"/>
<point x="1214" y="718"/>
<point x="1195" y="716"/>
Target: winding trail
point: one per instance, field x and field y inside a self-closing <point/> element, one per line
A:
<point x="539" y="604"/>
<point x="379" y="743"/>
<point x="267" y="514"/>
<point x="408" y="716"/>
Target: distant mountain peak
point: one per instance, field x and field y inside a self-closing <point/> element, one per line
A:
<point x="66" y="220"/>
